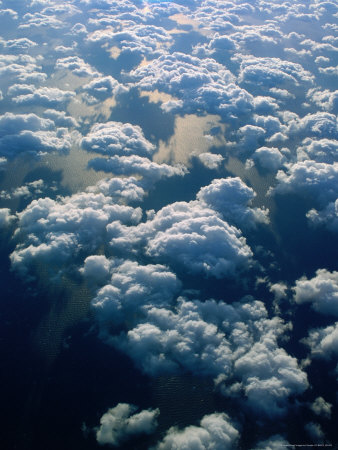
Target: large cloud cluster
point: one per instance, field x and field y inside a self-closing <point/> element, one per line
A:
<point x="198" y="83"/>
<point x="56" y="231"/>
<point x="236" y="344"/>
<point x="200" y="236"/>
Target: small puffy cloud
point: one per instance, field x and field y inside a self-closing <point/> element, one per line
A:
<point x="321" y="407"/>
<point x="232" y="197"/>
<point x="326" y="100"/>
<point x="322" y="125"/>
<point x="271" y="72"/>
<point x="210" y="160"/>
<point x="8" y="13"/>
<point x="122" y="422"/>
<point x="129" y="188"/>
<point x="19" y="44"/>
<point x="79" y="29"/>
<point x="60" y="118"/>
<point x="39" y="20"/>
<point x="44" y="96"/>
<point x="321" y="150"/>
<point x="76" y="65"/>
<point x="5" y="217"/>
<point x="26" y="190"/>
<point x="96" y="268"/>
<point x="102" y="88"/>
<point x="20" y="133"/>
<point x="319" y="180"/>
<point x="216" y="432"/>
<point x="3" y="162"/>
<point x="251" y="136"/>
<point x="279" y="290"/>
<point x="273" y="443"/>
<point x="321" y="291"/>
<point x="269" y="158"/>
<point x="315" y="432"/>
<point x="22" y="68"/>
<point x="116" y="138"/>
<point x="150" y="171"/>
<point x="327" y="217"/>
<point x="323" y="342"/>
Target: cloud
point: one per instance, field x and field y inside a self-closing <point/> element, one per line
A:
<point x="274" y="443"/>
<point x="96" y="268"/>
<point x="269" y="158"/>
<point x="210" y="160"/>
<point x="271" y="72"/>
<point x="77" y="66"/>
<point x="121" y="423"/>
<point x="232" y="198"/>
<point x="198" y="83"/>
<point x="116" y="138"/>
<point x="58" y="231"/>
<point x="235" y="344"/>
<point x="315" y="432"/>
<point x="132" y="289"/>
<point x="321" y="291"/>
<point x="326" y="100"/>
<point x="315" y="179"/>
<point x="216" y="432"/>
<point x="200" y="236"/>
<point x="29" y="133"/>
<point x="18" y="44"/>
<point x="321" y="408"/>
<point x="137" y="165"/>
<point x="326" y="217"/>
<point x="5" y="217"/>
<point x="60" y="118"/>
<point x="323" y="342"/>
<point x="129" y="188"/>
<point x="39" y="20"/>
<point x="26" y="190"/>
<point x="102" y="88"/>
<point x="200" y="241"/>
<point x="321" y="150"/>
<point x="138" y="38"/>
<point x="44" y="96"/>
<point x="21" y="68"/>
<point x="322" y="125"/>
